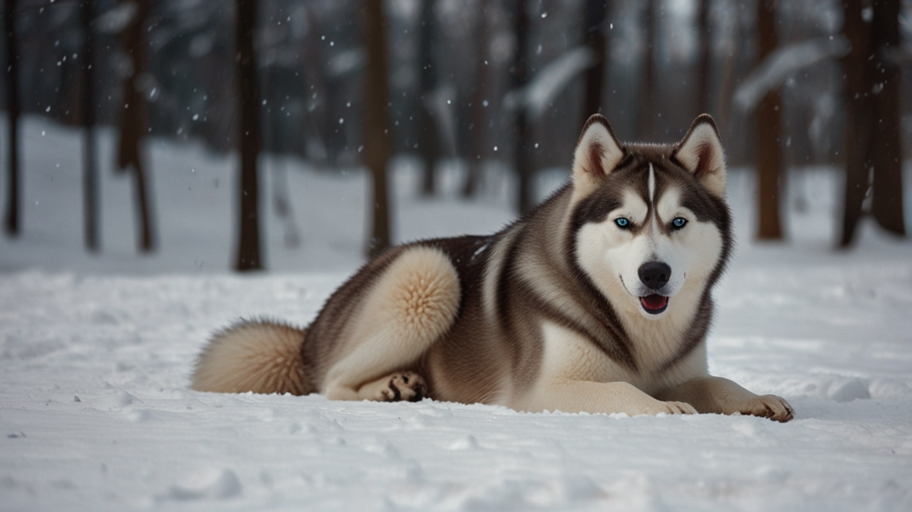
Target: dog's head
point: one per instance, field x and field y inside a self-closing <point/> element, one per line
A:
<point x="649" y="221"/>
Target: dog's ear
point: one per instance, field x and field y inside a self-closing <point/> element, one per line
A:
<point x="701" y="153"/>
<point x="597" y="154"/>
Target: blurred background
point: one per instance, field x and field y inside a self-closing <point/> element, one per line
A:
<point x="188" y="135"/>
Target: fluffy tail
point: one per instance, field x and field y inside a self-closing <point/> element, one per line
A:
<point x="258" y="356"/>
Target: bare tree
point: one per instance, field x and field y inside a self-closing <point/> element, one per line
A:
<point x="727" y="80"/>
<point x="281" y="199"/>
<point x="872" y="103"/>
<point x="12" y="222"/>
<point x="377" y="137"/>
<point x="769" y="132"/>
<point x="316" y="83"/>
<point x="249" y="137"/>
<point x="134" y="120"/>
<point x="520" y="74"/>
<point x="596" y="13"/>
<point x="646" y="96"/>
<point x="886" y="185"/>
<point x="859" y="109"/>
<point x="703" y="66"/>
<point x="479" y="109"/>
<point x="429" y="143"/>
<point x="89" y="161"/>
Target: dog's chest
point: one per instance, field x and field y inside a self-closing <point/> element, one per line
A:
<point x="571" y="355"/>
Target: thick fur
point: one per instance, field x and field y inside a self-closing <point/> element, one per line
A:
<point x="599" y="300"/>
<point x="259" y="356"/>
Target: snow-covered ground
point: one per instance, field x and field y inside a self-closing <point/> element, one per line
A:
<point x="95" y="353"/>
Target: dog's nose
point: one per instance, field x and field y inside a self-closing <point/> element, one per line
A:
<point x="654" y="274"/>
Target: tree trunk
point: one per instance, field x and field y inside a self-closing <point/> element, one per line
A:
<point x="428" y="137"/>
<point x="13" y="191"/>
<point x="860" y="116"/>
<point x="278" y="147"/>
<point x="523" y="130"/>
<point x="315" y="118"/>
<point x="249" y="255"/>
<point x="727" y="84"/>
<point x="886" y="187"/>
<point x="134" y="119"/>
<point x="646" y="97"/>
<point x="89" y="167"/>
<point x="769" y="130"/>
<point x="596" y="12"/>
<point x="377" y="136"/>
<point x="282" y="203"/>
<point x="479" y="110"/>
<point x="703" y="100"/>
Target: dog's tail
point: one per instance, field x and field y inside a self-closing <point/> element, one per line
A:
<point x="259" y="356"/>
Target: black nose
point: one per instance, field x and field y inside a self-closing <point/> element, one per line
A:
<point x="654" y="274"/>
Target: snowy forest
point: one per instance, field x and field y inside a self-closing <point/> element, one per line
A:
<point x="168" y="167"/>
<point x="479" y="84"/>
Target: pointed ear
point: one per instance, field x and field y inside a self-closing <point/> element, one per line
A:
<point x="597" y="154"/>
<point x="701" y="153"/>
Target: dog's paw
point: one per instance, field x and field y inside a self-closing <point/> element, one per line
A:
<point x="768" y="406"/>
<point x="408" y="386"/>
<point x="678" y="408"/>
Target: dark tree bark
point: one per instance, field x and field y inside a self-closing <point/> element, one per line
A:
<point x="428" y="138"/>
<point x="703" y="71"/>
<point x="886" y="187"/>
<point x="646" y="97"/>
<point x="860" y="116"/>
<point x="249" y="255"/>
<point x="377" y="136"/>
<point x="479" y="112"/>
<point x="596" y="13"/>
<point x="523" y="131"/>
<point x="13" y="191"/>
<point x="727" y="84"/>
<point x="90" y="204"/>
<point x="769" y="130"/>
<point x="873" y="150"/>
<point x="134" y="119"/>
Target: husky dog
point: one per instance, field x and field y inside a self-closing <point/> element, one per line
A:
<point x="599" y="300"/>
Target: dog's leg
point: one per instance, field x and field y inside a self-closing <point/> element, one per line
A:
<point x="411" y="305"/>
<point x="577" y="377"/>
<point x="717" y="395"/>
<point x="604" y="397"/>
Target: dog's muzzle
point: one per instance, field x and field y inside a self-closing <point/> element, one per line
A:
<point x="654" y="275"/>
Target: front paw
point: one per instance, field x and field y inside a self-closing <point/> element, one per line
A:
<point x="768" y="406"/>
<point x="404" y="386"/>
<point x="677" y="408"/>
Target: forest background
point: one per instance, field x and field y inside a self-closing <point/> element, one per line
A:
<point x="483" y="86"/>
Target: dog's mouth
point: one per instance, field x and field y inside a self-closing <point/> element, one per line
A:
<point x="654" y="304"/>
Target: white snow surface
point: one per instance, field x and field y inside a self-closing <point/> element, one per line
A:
<point x="95" y="354"/>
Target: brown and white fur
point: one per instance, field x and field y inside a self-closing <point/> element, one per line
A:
<point x="599" y="300"/>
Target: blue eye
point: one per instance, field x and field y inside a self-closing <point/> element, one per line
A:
<point x="622" y="222"/>
<point x="679" y="222"/>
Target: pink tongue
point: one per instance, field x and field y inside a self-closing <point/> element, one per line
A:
<point x="654" y="301"/>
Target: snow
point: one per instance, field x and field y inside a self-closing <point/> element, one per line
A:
<point x="95" y="353"/>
